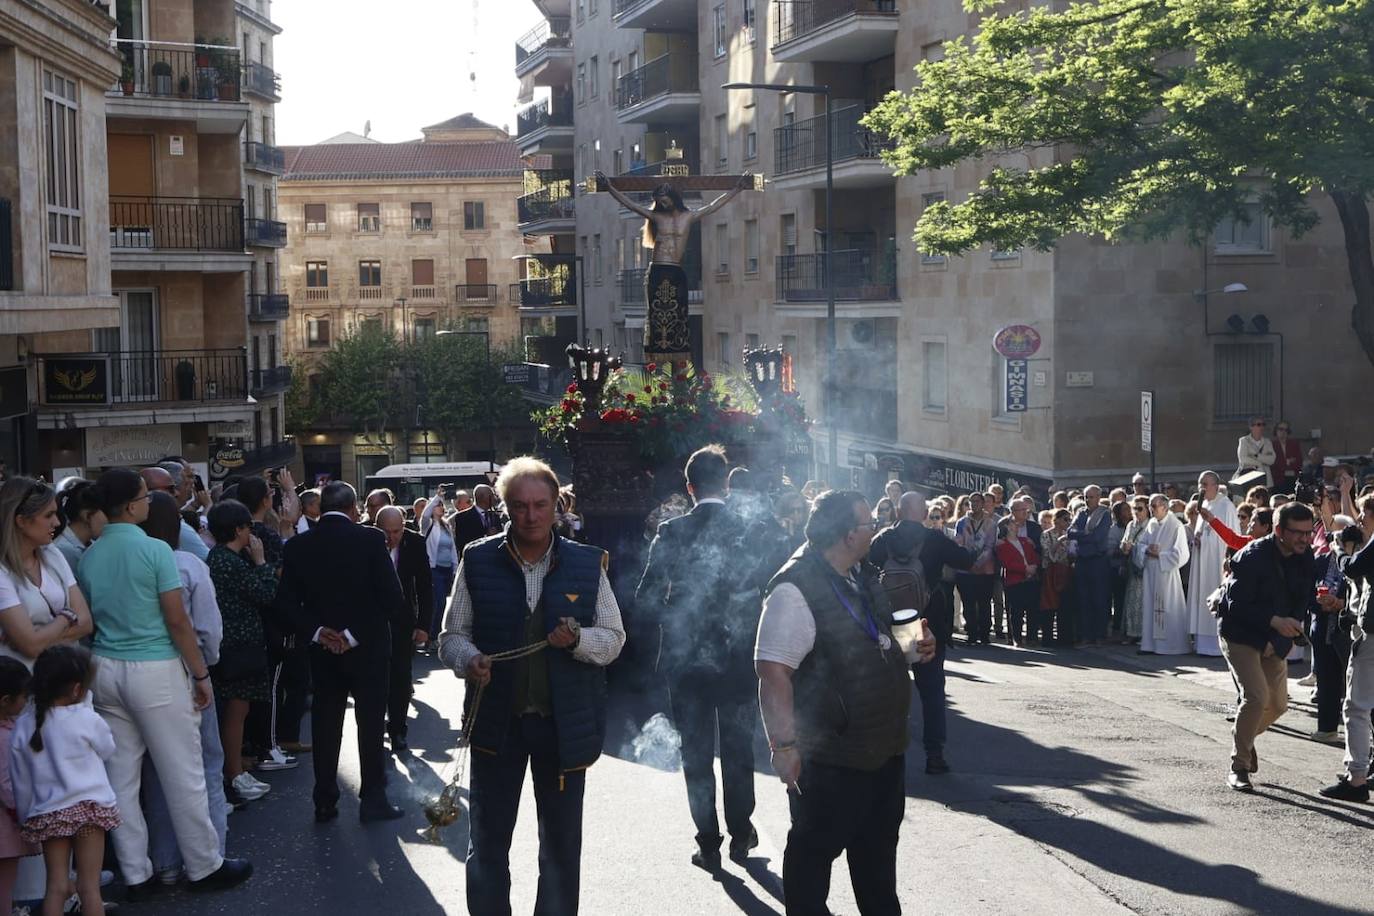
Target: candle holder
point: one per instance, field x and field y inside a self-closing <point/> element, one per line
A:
<point x="765" y="366"/>
<point x="591" y="367"/>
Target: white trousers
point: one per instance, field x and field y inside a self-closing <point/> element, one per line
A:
<point x="149" y="707"/>
<point x="1359" y="700"/>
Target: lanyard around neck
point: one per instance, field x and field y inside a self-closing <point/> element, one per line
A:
<point x="867" y="623"/>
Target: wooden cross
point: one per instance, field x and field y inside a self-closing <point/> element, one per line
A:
<point x="682" y="180"/>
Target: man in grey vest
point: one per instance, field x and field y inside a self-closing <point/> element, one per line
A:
<point x="835" y="693"/>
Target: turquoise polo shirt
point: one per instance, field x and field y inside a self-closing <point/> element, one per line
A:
<point x="122" y="575"/>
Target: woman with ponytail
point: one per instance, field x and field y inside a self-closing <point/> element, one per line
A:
<point x="40" y="604"/>
<point x="150" y="687"/>
<point x="78" y="508"/>
<point x="62" y="795"/>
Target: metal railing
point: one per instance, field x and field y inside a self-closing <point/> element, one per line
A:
<point x="268" y="306"/>
<point x="176" y="224"/>
<point x="270" y="381"/>
<point x="163" y="70"/>
<point x="861" y="274"/>
<point x="262" y="80"/>
<point x="264" y="157"/>
<point x="545" y="292"/>
<point x="660" y="76"/>
<point x="482" y="293"/>
<point x="6" y="246"/>
<point x="548" y="112"/>
<point x="631" y="283"/>
<point x="801" y="146"/>
<point x="555" y="32"/>
<point x="793" y="19"/>
<point x="546" y="203"/>
<point x="622" y="6"/>
<point x="166" y="375"/>
<point x="266" y="233"/>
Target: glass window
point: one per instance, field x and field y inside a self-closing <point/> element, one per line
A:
<point x="474" y="215"/>
<point x="423" y="329"/>
<point x="422" y="217"/>
<point x="596" y="259"/>
<point x="316" y="218"/>
<point x="593" y="83"/>
<point x="1248" y="233"/>
<point x="317" y="332"/>
<point x="936" y="380"/>
<point x="750" y="19"/>
<point x="722" y="248"/>
<point x="1243" y="381"/>
<point x="718" y="29"/>
<point x="482" y="325"/>
<point x="723" y="347"/>
<point x="369" y="218"/>
<point x="62" y="151"/>
<point x="751" y="246"/>
<point x="316" y="274"/>
<point x="370" y="273"/>
<point x="582" y="82"/>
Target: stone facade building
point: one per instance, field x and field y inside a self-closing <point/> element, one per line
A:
<point x="419" y="237"/>
<point x="921" y="391"/>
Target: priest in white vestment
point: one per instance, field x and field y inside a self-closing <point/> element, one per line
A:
<point x="1161" y="552"/>
<point x="1209" y="554"/>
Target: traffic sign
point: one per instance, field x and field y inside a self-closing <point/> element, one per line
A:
<point x="1147" y="421"/>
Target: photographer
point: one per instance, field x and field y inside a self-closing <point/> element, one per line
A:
<point x="1271" y="583"/>
<point x="1354" y="607"/>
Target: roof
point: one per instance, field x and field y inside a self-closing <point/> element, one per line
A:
<point x="348" y="137"/>
<point x="464" y="121"/>
<point x="363" y="161"/>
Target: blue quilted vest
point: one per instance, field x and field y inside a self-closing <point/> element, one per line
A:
<point x="496" y="582"/>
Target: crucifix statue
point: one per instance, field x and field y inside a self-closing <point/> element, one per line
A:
<point x="667" y="226"/>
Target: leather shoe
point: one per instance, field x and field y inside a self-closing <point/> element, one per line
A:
<point x="399" y="747"/>
<point x="1240" y="781"/>
<point x="232" y="872"/>
<point x="143" y="891"/>
<point x="708" y="859"/>
<point x="936" y="765"/>
<point x="379" y="811"/>
<point x="739" y="849"/>
<point x="326" y="813"/>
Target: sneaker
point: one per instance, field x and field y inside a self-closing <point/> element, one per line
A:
<point x="277" y="760"/>
<point x="1240" y="781"/>
<point x="169" y="876"/>
<point x="1309" y="681"/>
<point x="258" y="782"/>
<point x="1344" y="791"/>
<point x="248" y="788"/>
<point x="1326" y="737"/>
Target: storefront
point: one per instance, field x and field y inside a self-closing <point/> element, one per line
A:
<point x="933" y="475"/>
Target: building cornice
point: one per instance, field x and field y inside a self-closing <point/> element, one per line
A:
<point x="392" y="177"/>
<point x="40" y="28"/>
<point x="247" y="12"/>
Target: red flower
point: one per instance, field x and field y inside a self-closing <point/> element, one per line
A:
<point x="569" y="405"/>
<point x="652" y="367"/>
<point x="634" y="418"/>
<point x="630" y="398"/>
<point x="571" y="389"/>
<point x="648" y="389"/>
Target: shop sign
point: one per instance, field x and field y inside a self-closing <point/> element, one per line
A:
<point x="14" y="392"/>
<point x="366" y="447"/>
<point x="1016" y="386"/>
<point x="76" y="380"/>
<point x="516" y="373"/>
<point x="230" y="457"/>
<point x="940" y="475"/>
<point x="231" y="429"/>
<point x="1017" y="341"/>
<point x="124" y="446"/>
<point x="428" y="449"/>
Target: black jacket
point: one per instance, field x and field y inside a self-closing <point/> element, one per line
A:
<point x="339" y="575"/>
<point x="467" y="527"/>
<point x="1264" y="584"/>
<point x="417" y="584"/>
<point x="696" y="565"/>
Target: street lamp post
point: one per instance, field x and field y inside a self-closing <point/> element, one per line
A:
<point x="401" y="301"/>
<point x="832" y="433"/>
<point x="486" y="361"/>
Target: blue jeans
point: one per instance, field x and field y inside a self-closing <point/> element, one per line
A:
<point x="442" y="577"/>
<point x="162" y="839"/>
<point x="930" y="687"/>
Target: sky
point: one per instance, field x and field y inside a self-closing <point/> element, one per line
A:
<point x="401" y="64"/>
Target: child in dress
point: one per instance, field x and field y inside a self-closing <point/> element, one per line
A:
<point x="57" y="757"/>
<point x="14" y="695"/>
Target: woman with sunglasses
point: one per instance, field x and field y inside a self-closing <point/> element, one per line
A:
<point x="1140" y="518"/>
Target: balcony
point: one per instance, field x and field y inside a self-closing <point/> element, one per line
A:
<point x="263" y="157"/>
<point x="545" y="53"/>
<point x="317" y="294"/>
<point x="839" y="31"/>
<point x="547" y="206"/>
<point x="170" y="233"/>
<point x="546" y="293"/>
<point x="799" y="153"/>
<point x="545" y="125"/>
<point x="265" y="233"/>
<point x="6" y="246"/>
<point x="861" y="275"/>
<point x="664" y="91"/>
<point x="164" y="81"/>
<point x="656" y="15"/>
<point x="95" y="380"/>
<point x="428" y="293"/>
<point x="477" y="293"/>
<point x="271" y="381"/>
<point x="262" y="81"/>
<point x="631" y="283"/>
<point x="545" y="384"/>
<point x="268" y="307"/>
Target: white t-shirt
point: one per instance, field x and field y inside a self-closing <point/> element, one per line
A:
<point x="41" y="602"/>
<point x="787" y="628"/>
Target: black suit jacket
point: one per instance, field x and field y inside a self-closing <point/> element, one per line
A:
<point x="416" y="583"/>
<point x="339" y="575"/>
<point x="467" y="527"/>
<point x="697" y="562"/>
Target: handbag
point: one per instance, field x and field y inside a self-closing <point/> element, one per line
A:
<point x="238" y="662"/>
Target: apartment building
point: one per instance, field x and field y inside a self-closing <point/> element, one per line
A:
<point x="921" y="392"/>
<point x="55" y="66"/>
<point x="174" y="374"/>
<point x="417" y="237"/>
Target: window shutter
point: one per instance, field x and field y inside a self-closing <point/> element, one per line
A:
<point x="422" y="273"/>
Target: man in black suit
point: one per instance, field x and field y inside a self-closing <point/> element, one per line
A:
<point x="696" y="564"/>
<point x="341" y="592"/>
<point x="411" y="560"/>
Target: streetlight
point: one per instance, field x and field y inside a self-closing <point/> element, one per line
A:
<point x="486" y="361"/>
<point x="401" y="301"/>
<point x="833" y="439"/>
<point x="1201" y="296"/>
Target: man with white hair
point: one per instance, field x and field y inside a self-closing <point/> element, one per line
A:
<point x="1209" y="554"/>
<point x="410" y="558"/>
<point x="1140" y="486"/>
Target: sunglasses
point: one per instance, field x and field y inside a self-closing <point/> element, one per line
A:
<point x="936" y="518"/>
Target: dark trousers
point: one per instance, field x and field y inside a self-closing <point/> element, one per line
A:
<point x="1329" y="666"/>
<point x="292" y="694"/>
<point x="701" y="704"/>
<point x="1023" y="605"/>
<point x="443" y="584"/>
<point x="494" y="803"/>
<point x="930" y="687"/>
<point x="361" y="673"/>
<point x="976" y="592"/>
<point x="1093" y="583"/>
<point x="400" y="683"/>
<point x="1120" y="578"/>
<point x="851" y="811"/>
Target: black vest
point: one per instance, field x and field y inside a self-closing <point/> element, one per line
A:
<point x="850" y="698"/>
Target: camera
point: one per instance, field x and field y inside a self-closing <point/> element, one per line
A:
<point x="1308" y="493"/>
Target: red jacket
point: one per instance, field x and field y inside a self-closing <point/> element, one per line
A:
<point x="1017" y="568"/>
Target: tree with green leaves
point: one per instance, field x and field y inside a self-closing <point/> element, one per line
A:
<point x="358" y="379"/>
<point x="459" y="385"/>
<point x="1146" y="118"/>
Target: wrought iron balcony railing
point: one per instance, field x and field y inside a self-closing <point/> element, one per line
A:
<point x="266" y="233"/>
<point x="271" y="381"/>
<point x="477" y="293"/>
<point x="861" y="274"/>
<point x="555" y="32"/>
<point x="176" y="224"/>
<point x="793" y="19"/>
<point x="548" y="112"/>
<point x="660" y="76"/>
<point x="264" y="157"/>
<point x="161" y="70"/>
<point x="262" y="80"/>
<point x="148" y="377"/>
<point x="268" y="306"/>
<point x="801" y="146"/>
<point x="545" y="292"/>
<point x="632" y="287"/>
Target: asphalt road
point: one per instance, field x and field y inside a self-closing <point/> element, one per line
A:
<point x="1090" y="781"/>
